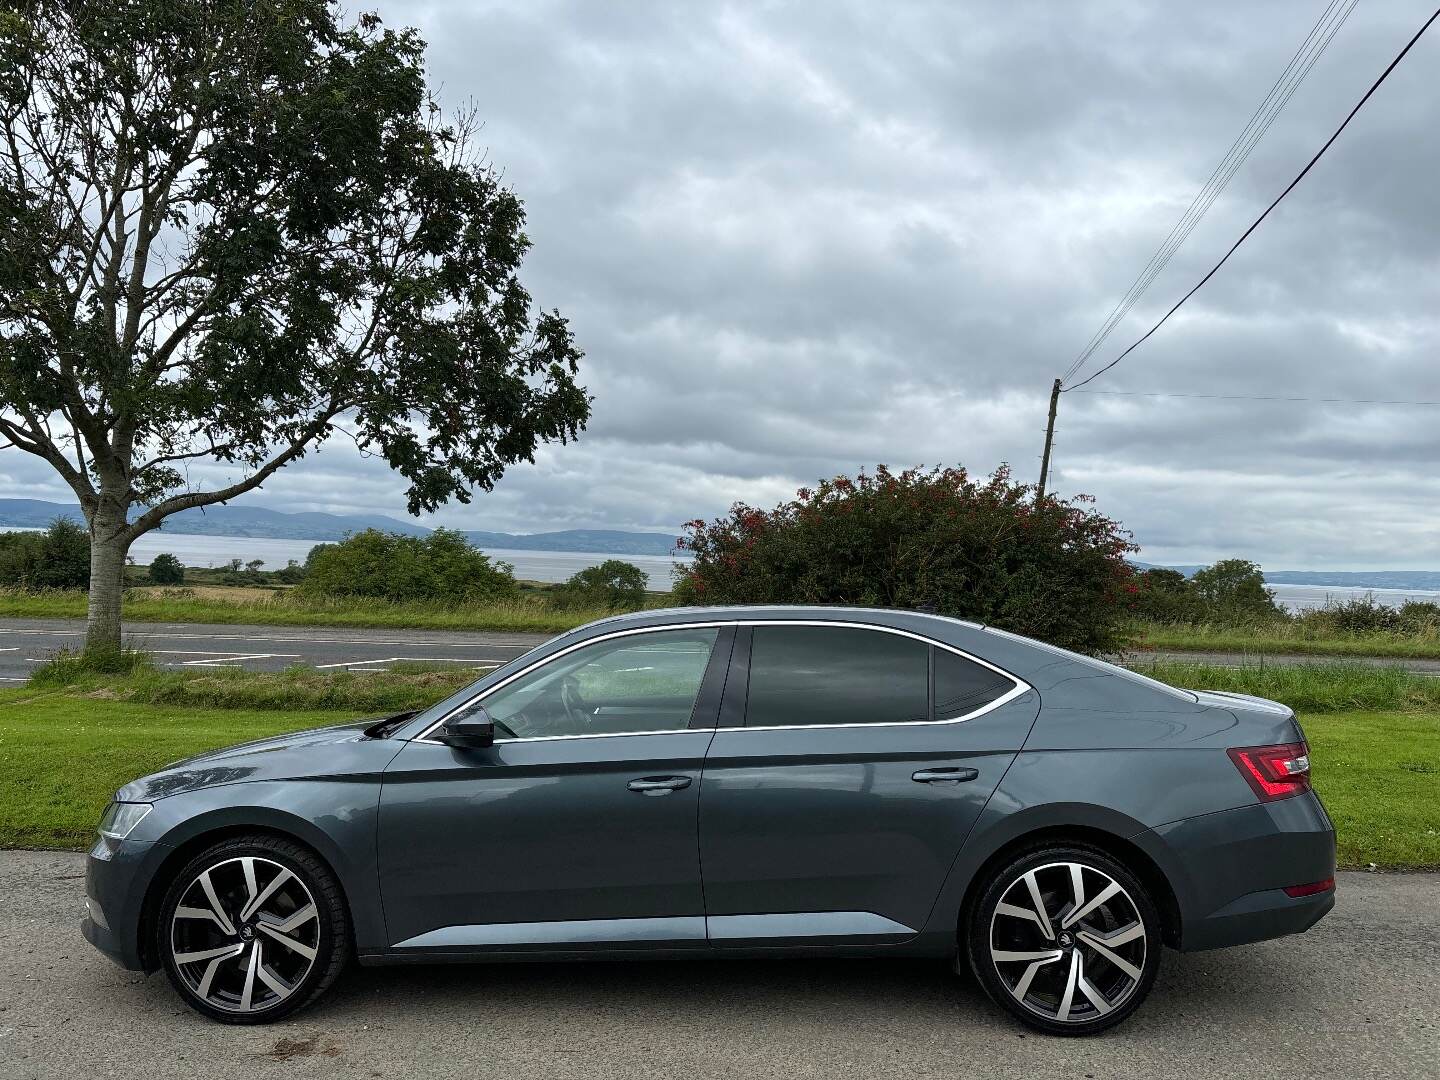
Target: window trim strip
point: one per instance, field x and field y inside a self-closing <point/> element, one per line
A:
<point x="1020" y="687"/>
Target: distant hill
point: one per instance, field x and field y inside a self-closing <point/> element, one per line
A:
<point x="258" y="521"/>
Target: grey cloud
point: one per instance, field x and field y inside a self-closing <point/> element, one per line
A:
<point x="796" y="239"/>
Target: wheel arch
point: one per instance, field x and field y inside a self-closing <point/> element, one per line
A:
<point x="1129" y="854"/>
<point x="213" y="829"/>
<point x="1003" y="831"/>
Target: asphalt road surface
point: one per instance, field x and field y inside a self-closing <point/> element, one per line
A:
<point x="26" y="642"/>
<point x="1358" y="996"/>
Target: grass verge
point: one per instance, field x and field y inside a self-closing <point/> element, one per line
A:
<point x="1283" y="638"/>
<point x="526" y="613"/>
<point x="67" y="743"/>
<point x="1310" y="688"/>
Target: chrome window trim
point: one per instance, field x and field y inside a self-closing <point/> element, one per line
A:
<point x="1020" y="688"/>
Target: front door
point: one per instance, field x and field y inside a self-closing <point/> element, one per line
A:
<point x="577" y="829"/>
<point x="839" y="790"/>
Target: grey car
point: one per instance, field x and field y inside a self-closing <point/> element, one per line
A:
<point x="735" y="781"/>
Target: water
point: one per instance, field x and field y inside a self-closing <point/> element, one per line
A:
<point x="195" y="550"/>
<point x="1306" y="597"/>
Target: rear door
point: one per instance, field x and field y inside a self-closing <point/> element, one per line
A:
<point x="848" y="768"/>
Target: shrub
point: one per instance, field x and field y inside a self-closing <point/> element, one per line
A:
<point x="984" y="550"/>
<point x="58" y="558"/>
<point x="613" y="584"/>
<point x="166" y="569"/>
<point x="1166" y="596"/>
<point x="390" y="566"/>
<point x="1233" y="591"/>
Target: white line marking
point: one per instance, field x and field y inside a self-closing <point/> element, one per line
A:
<point x="136" y="631"/>
<point x="412" y="659"/>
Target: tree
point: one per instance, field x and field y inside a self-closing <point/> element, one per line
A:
<point x="1165" y="596"/>
<point x="937" y="538"/>
<point x="166" y="569"/>
<point x="441" y="566"/>
<point x="613" y="584"/>
<point x="58" y="558"/>
<point x="1233" y="590"/>
<point x="230" y="228"/>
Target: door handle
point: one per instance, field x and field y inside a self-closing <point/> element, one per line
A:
<point x="944" y="776"/>
<point x="659" y="785"/>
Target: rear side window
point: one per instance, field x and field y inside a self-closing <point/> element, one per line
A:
<point x="962" y="686"/>
<point x="801" y="675"/>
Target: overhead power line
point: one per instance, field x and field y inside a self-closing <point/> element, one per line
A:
<point x="1258" y="397"/>
<point x="1289" y="188"/>
<point x="1289" y="80"/>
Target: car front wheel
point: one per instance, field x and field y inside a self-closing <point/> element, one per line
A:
<point x="1066" y="939"/>
<point x="253" y="929"/>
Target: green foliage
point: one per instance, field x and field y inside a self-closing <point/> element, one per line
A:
<point x="166" y="569"/>
<point x="58" y="558"/>
<point x="1317" y="687"/>
<point x="1166" y="596"/>
<point x="68" y="667"/>
<point x="982" y="550"/>
<point x="1233" y="590"/>
<point x="1365" y="615"/>
<point x="614" y="584"/>
<point x="440" y="566"/>
<point x="231" y="226"/>
<point x="292" y="573"/>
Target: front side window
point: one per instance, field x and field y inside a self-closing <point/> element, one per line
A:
<point x="636" y="683"/>
<point x="836" y="675"/>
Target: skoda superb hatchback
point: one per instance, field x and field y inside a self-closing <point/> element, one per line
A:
<point x="735" y="781"/>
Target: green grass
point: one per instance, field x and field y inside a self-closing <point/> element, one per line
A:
<point x="1379" y="776"/>
<point x="1288" y="637"/>
<point x="1311" y="688"/>
<point x="62" y="756"/>
<point x="69" y="739"/>
<point x="528" y="612"/>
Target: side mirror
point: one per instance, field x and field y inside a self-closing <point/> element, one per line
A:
<point x="475" y="730"/>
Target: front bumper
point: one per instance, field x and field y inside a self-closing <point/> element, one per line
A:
<point x="117" y="875"/>
<point x="1230" y="870"/>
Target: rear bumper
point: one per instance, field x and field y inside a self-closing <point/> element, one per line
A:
<point x="1229" y="871"/>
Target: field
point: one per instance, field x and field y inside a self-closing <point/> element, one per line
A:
<point x="70" y="739"/>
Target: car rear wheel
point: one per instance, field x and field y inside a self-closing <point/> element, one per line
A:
<point x="1066" y="939"/>
<point x="253" y="929"/>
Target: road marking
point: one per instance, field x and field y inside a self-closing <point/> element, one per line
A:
<point x="228" y="659"/>
<point x="398" y="659"/>
<point x="133" y="632"/>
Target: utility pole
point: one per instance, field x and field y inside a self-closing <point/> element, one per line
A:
<point x="1049" y="438"/>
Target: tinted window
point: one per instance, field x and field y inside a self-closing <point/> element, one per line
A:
<point x="962" y="686"/>
<point x="835" y="675"/>
<point x="640" y="682"/>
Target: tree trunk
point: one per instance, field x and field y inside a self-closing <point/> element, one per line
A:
<point x="108" y="548"/>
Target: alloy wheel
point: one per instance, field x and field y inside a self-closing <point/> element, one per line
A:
<point x="1068" y="942"/>
<point x="245" y="934"/>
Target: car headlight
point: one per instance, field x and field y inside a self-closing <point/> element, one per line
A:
<point x="121" y="818"/>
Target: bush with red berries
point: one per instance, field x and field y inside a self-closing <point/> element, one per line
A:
<point x="936" y="538"/>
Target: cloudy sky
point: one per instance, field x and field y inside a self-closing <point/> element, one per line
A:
<point x="797" y="239"/>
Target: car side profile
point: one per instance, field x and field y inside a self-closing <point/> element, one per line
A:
<point x="735" y="781"/>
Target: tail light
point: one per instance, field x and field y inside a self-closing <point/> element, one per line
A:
<point x="1274" y="772"/>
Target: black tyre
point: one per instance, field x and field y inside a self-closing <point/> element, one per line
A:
<point x="253" y="929"/>
<point x="1064" y="938"/>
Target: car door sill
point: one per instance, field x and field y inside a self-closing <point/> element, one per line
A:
<point x="687" y="930"/>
